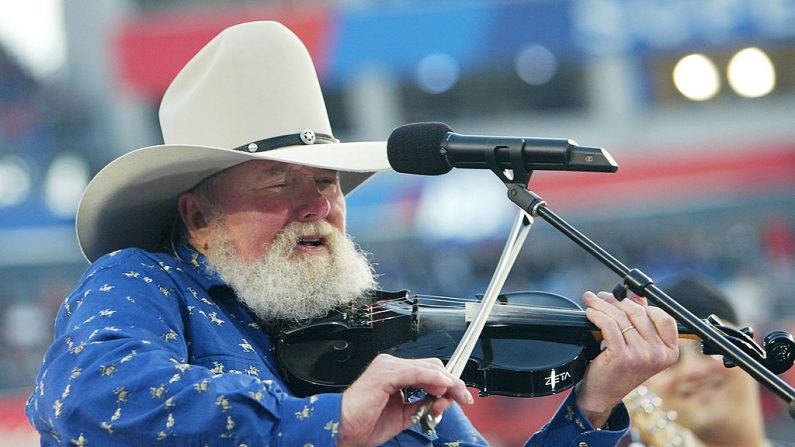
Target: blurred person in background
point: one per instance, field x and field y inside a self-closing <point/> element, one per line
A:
<point x="714" y="405"/>
<point x="236" y="224"/>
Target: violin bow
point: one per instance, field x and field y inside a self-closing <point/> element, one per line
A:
<point x="458" y="360"/>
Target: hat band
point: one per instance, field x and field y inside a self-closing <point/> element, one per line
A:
<point x="306" y="137"/>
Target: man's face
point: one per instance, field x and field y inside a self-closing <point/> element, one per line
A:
<point x="708" y="397"/>
<point x="280" y="241"/>
<point x="259" y="198"/>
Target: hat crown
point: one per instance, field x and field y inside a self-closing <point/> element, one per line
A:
<point x="252" y="81"/>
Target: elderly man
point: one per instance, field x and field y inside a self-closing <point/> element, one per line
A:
<point x="238" y="222"/>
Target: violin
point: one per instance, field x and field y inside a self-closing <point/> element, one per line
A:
<point x="533" y="344"/>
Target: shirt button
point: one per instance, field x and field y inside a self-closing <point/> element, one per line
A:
<point x="582" y="444"/>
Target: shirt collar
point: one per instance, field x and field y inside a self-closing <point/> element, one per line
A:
<point x="198" y="264"/>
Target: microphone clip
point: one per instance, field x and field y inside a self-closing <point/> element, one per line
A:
<point x="520" y="173"/>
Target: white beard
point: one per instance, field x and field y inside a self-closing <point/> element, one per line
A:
<point x="283" y="285"/>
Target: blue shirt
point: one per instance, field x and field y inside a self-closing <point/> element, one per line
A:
<point x="145" y="354"/>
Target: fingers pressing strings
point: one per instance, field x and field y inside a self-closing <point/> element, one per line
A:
<point x="635" y="312"/>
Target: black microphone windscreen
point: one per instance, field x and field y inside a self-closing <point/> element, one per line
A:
<point x="416" y="149"/>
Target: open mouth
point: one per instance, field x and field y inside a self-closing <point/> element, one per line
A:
<point x="312" y="241"/>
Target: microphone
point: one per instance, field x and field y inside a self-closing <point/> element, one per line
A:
<point x="434" y="149"/>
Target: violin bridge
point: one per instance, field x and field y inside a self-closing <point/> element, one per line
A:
<point x="415" y="317"/>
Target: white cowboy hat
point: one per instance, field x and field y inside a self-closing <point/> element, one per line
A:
<point x="251" y="93"/>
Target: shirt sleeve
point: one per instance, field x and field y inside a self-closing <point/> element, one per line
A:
<point x="455" y="429"/>
<point x="570" y="428"/>
<point x="117" y="374"/>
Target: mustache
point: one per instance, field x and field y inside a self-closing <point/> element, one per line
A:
<point x="321" y="232"/>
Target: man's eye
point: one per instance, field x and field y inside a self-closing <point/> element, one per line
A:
<point x="279" y="185"/>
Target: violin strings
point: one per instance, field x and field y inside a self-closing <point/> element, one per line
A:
<point x="467" y="300"/>
<point x="379" y="312"/>
<point x="381" y="320"/>
<point x="524" y="313"/>
<point x="447" y="299"/>
<point x="548" y="310"/>
<point x="384" y="303"/>
<point x="517" y="312"/>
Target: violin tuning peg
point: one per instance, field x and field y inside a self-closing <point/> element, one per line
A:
<point x="714" y="320"/>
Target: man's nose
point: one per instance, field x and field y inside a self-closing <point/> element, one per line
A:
<point x="314" y="205"/>
<point x="696" y="363"/>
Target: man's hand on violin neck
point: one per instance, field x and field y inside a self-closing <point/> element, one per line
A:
<point x="640" y="341"/>
<point x="373" y="410"/>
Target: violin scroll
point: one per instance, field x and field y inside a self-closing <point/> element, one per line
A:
<point x="780" y="351"/>
<point x="777" y="353"/>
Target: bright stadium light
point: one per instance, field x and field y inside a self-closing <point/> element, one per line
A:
<point x="696" y="77"/>
<point x="67" y="177"/>
<point x="15" y="181"/>
<point x="437" y="73"/>
<point x="535" y="65"/>
<point x="751" y="73"/>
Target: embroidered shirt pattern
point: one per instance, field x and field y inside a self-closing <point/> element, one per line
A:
<point x="144" y="350"/>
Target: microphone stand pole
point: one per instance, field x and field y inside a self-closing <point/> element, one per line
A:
<point x="642" y="285"/>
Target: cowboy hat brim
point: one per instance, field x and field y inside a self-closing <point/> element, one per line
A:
<point x="132" y="201"/>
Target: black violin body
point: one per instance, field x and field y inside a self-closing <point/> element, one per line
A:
<point x="527" y="360"/>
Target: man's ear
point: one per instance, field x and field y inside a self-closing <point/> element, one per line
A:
<point x="194" y="214"/>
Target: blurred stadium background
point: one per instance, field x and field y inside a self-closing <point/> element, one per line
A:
<point x="694" y="99"/>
